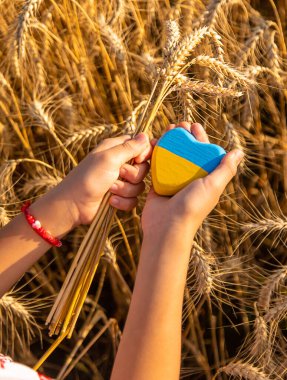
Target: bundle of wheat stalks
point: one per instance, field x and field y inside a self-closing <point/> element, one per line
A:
<point x="75" y="72"/>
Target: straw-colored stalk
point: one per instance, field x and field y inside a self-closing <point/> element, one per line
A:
<point x="243" y="370"/>
<point x="43" y="119"/>
<point x="29" y="10"/>
<point x="270" y="286"/>
<point x="67" y="307"/>
<point x="17" y="322"/>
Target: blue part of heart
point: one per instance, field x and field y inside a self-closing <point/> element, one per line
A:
<point x="182" y="143"/>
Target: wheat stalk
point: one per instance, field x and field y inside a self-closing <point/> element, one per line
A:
<point x="216" y="9"/>
<point x="66" y="309"/>
<point x="204" y="88"/>
<point x="259" y="344"/>
<point x="118" y="12"/>
<point x="222" y="68"/>
<point x="270" y="286"/>
<point x="17" y="322"/>
<point x="6" y="172"/>
<point x="100" y="69"/>
<point x="4" y="219"/>
<point x="113" y="39"/>
<point x="278" y="311"/>
<point x="28" y="12"/>
<point x="86" y="135"/>
<point x="42" y="118"/>
<point x="243" y="370"/>
<point x="173" y="36"/>
<point x="202" y="272"/>
<point x="38" y="184"/>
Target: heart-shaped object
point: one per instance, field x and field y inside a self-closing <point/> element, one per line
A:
<point x="178" y="159"/>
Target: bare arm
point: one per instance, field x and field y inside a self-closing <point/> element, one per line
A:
<point x="151" y="343"/>
<point x="21" y="247"/>
<point x="74" y="201"/>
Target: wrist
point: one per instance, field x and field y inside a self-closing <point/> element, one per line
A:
<point x="55" y="213"/>
<point x="181" y="227"/>
<point x="170" y="235"/>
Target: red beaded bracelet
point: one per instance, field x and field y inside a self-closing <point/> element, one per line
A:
<point x="36" y="225"/>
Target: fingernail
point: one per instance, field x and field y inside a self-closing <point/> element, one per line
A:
<point x="141" y="137"/>
<point x="115" y="201"/>
<point x="114" y="187"/>
<point x="123" y="172"/>
<point x="238" y="156"/>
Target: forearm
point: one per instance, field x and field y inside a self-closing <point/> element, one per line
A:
<point x="21" y="247"/>
<point x="152" y="333"/>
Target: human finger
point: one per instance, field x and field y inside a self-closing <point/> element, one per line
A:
<point x="126" y="189"/>
<point x="184" y="124"/>
<point x="110" y="143"/>
<point x="134" y="173"/>
<point x="153" y="142"/>
<point x="226" y="170"/>
<point x="199" y="133"/>
<point x="124" y="204"/>
<point x="129" y="149"/>
<point x="145" y="155"/>
<point x="169" y="127"/>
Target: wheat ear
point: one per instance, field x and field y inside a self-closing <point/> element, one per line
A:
<point x="270" y="286"/>
<point x="243" y="370"/>
<point x="28" y="12"/>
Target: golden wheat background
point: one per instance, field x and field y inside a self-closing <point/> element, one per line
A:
<point x="75" y="72"/>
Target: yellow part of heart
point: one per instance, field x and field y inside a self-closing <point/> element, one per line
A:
<point x="171" y="173"/>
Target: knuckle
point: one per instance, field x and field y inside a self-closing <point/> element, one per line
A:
<point x="128" y="145"/>
<point x="104" y="156"/>
<point x="127" y="189"/>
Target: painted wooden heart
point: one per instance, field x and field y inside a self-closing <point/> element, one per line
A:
<point x="178" y="159"/>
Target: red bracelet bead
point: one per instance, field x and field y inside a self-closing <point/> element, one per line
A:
<point x="36" y="225"/>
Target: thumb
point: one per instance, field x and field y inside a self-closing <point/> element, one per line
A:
<point x="131" y="148"/>
<point x="225" y="171"/>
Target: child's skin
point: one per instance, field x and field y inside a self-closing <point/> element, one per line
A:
<point x="151" y="343"/>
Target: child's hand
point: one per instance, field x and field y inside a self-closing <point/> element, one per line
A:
<point x="185" y="211"/>
<point x="85" y="186"/>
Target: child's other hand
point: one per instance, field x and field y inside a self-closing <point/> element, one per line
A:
<point x="85" y="186"/>
<point x="184" y="212"/>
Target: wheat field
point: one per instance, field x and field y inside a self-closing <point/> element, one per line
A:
<point x="75" y="72"/>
